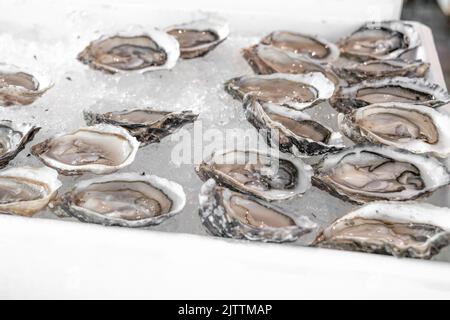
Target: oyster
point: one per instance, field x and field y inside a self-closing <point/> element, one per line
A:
<point x="314" y="48"/>
<point x="132" y="51"/>
<point x="146" y="125"/>
<point x="13" y="138"/>
<point x="298" y="91"/>
<point x="198" y="38"/>
<point x="257" y="173"/>
<point x="414" y="230"/>
<point x="377" y="69"/>
<point x="99" y="149"/>
<point x="291" y="131"/>
<point x="397" y="89"/>
<point x="26" y="190"/>
<point x="19" y="87"/>
<point x="124" y="199"/>
<point x="380" y="40"/>
<point x="416" y="128"/>
<point x="265" y="59"/>
<point x="226" y="213"/>
<point x="368" y="173"/>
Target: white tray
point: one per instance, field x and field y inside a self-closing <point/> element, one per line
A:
<point x="53" y="259"/>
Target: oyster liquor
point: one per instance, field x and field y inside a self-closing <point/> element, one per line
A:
<point x="226" y="310"/>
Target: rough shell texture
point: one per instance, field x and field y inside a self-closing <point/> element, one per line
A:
<point x="219" y="222"/>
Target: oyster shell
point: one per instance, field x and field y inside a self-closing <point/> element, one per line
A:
<point x="416" y="128"/>
<point x="20" y="87"/>
<point x="397" y="89"/>
<point x="132" y="52"/>
<point x="99" y="149"/>
<point x="257" y="173"/>
<point x="380" y="40"/>
<point x="377" y="69"/>
<point x="124" y="199"/>
<point x="314" y="48"/>
<point x="265" y="59"/>
<point x="13" y="138"/>
<point x="226" y="213"/>
<point x="27" y="190"/>
<point x="146" y="125"/>
<point x="298" y="91"/>
<point x="367" y="173"/>
<point x="198" y="38"/>
<point x="291" y="131"/>
<point x="414" y="230"/>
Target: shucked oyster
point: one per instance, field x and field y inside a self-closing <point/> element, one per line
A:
<point x="257" y="173"/>
<point x="18" y="87"/>
<point x="132" y="51"/>
<point x="368" y="173"/>
<point x="226" y="213"/>
<point x="146" y="125"/>
<point x="311" y="47"/>
<point x="264" y="59"/>
<point x="416" y="128"/>
<point x="26" y="190"/>
<point x="125" y="199"/>
<point x="377" y="69"/>
<point x="290" y="130"/>
<point x="99" y="149"/>
<point x="13" y="138"/>
<point x="414" y="230"/>
<point x="298" y="91"/>
<point x="380" y="40"/>
<point x="198" y="38"/>
<point x="397" y="89"/>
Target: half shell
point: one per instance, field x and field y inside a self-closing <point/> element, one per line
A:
<point x="132" y="52"/>
<point x="226" y="213"/>
<point x="99" y="149"/>
<point x="414" y="230"/>
<point x="13" y="138"/>
<point x="125" y="199"/>
<point x="367" y="173"/>
<point x="257" y="173"/>
<point x="27" y="190"/>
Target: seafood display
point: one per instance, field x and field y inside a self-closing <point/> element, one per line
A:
<point x="401" y="229"/>
<point x="124" y="199"/>
<point x="146" y="125"/>
<point x="19" y="87"/>
<point x="99" y="149"/>
<point x="27" y="190"/>
<point x="13" y="138"/>
<point x="235" y="215"/>
<point x="198" y="38"/>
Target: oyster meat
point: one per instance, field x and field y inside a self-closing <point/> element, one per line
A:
<point x="380" y="40"/>
<point x="13" y="138"/>
<point x="146" y="125"/>
<point x="290" y="130"/>
<point x="414" y="230"/>
<point x="27" y="190"/>
<point x="367" y="173"/>
<point x="99" y="149"/>
<point x="19" y="87"/>
<point x="311" y="47"/>
<point x="124" y="199"/>
<point x="298" y="91"/>
<point x="377" y="69"/>
<point x="230" y="214"/>
<point x="397" y="89"/>
<point x="132" y="52"/>
<point x="416" y="128"/>
<point x="198" y="38"/>
<point x="257" y="173"/>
